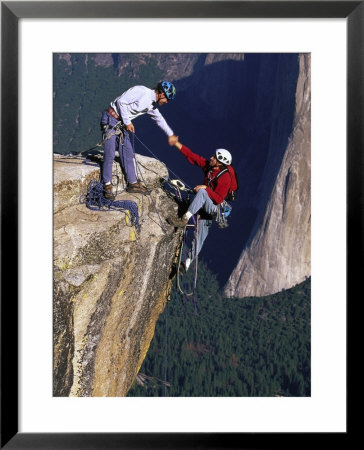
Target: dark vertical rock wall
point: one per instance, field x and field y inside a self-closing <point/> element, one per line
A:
<point x="246" y="104"/>
<point x="278" y="255"/>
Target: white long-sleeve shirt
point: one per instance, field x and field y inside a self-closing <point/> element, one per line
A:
<point x="136" y="101"/>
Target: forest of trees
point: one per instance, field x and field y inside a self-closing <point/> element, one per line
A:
<point x="82" y="91"/>
<point x="229" y="347"/>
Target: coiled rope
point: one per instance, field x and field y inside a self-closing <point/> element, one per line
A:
<point x="95" y="200"/>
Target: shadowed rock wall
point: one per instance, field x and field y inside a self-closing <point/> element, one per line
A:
<point x="279" y="254"/>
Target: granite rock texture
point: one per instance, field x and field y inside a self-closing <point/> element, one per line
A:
<point x="111" y="281"/>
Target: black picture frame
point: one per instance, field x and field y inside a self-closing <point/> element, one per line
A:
<point x="11" y="12"/>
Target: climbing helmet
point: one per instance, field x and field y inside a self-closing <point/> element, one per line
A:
<point x="168" y="89"/>
<point x="223" y="156"/>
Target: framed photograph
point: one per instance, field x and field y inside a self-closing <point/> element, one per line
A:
<point x="36" y="36"/>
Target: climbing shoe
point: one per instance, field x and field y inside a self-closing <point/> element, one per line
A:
<point x="108" y="193"/>
<point x="177" y="221"/>
<point x="143" y="186"/>
<point x="137" y="188"/>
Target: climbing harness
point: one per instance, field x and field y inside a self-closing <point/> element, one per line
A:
<point x="95" y="200"/>
<point x="224" y="208"/>
<point x="108" y="131"/>
<point x="231" y="196"/>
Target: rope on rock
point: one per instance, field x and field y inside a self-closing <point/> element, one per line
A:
<point x="95" y="200"/>
<point x="184" y="248"/>
<point x="156" y="157"/>
<point x="164" y="229"/>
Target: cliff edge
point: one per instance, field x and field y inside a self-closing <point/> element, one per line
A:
<point x="111" y="281"/>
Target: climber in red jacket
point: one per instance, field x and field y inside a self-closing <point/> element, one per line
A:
<point x="219" y="181"/>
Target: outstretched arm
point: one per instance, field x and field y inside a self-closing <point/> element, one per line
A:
<point x="193" y="158"/>
<point x="198" y="187"/>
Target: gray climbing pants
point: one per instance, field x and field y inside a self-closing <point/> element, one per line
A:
<point x="201" y="202"/>
<point x="123" y="145"/>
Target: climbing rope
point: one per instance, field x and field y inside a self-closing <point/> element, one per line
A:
<point x="178" y="186"/>
<point x="108" y="132"/>
<point x="138" y="170"/>
<point x="95" y="200"/>
<point x="117" y="129"/>
<point x="155" y="157"/>
<point x="192" y="294"/>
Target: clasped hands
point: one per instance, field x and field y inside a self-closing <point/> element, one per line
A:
<point x="172" y="140"/>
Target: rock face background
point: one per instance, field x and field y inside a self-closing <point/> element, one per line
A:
<point x="279" y="255"/>
<point x="111" y="283"/>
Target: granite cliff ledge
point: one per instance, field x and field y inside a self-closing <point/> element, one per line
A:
<point x="111" y="282"/>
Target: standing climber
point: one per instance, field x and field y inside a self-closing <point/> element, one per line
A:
<point x="132" y="103"/>
<point x="220" y="180"/>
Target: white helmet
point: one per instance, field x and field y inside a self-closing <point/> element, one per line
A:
<point x="223" y="156"/>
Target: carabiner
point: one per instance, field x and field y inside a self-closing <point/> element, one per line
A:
<point x="178" y="184"/>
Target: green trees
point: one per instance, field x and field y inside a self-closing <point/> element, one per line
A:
<point x="82" y="89"/>
<point x="232" y="347"/>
